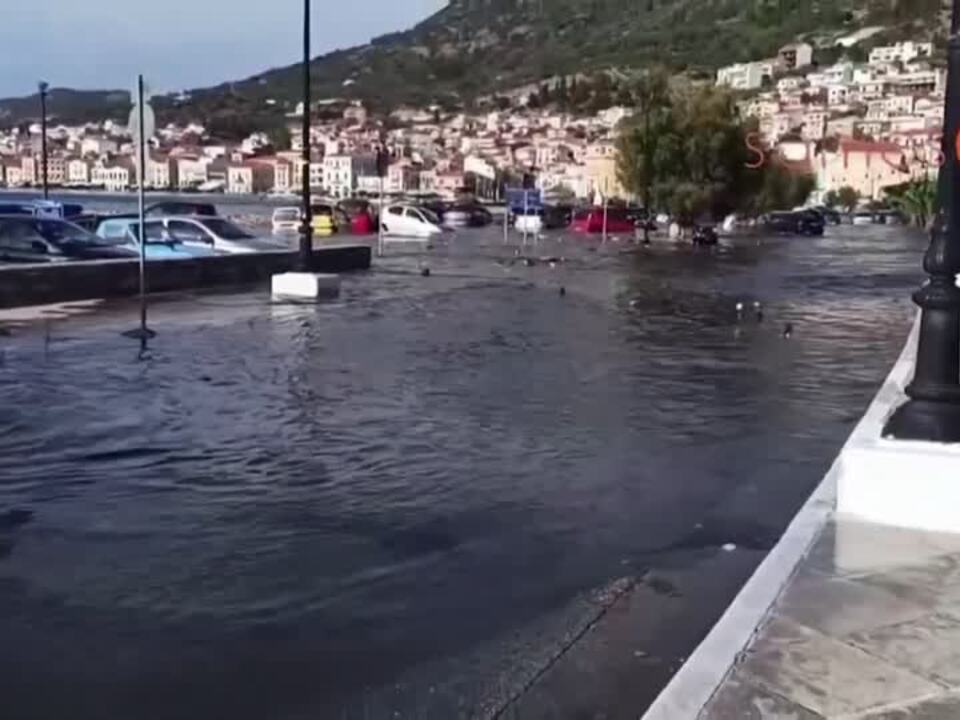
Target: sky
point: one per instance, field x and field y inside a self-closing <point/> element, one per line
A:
<point x="178" y="44"/>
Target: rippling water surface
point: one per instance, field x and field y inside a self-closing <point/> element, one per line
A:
<point x="281" y="509"/>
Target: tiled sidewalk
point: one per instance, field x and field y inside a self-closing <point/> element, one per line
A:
<point x="869" y="629"/>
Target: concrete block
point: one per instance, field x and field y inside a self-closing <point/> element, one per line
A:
<point x="305" y="286"/>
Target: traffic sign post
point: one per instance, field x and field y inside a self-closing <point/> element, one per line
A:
<point x="142" y="126"/>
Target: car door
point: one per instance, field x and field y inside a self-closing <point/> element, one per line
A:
<point x="20" y="242"/>
<point x="394" y="221"/>
<point x="188" y="233"/>
<point x="416" y="224"/>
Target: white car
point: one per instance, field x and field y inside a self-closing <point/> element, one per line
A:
<point x="410" y="222"/>
<point x="218" y="234"/>
<point x="286" y="220"/>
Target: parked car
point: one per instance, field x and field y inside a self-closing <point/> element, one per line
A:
<point x="557" y="217"/>
<point x="125" y="229"/>
<point x="803" y="222"/>
<point x="324" y="220"/>
<point x="218" y="234"/>
<point x="286" y="220"/>
<point x="410" y="221"/>
<point x="705" y="235"/>
<point x="479" y="216"/>
<point x="29" y="239"/>
<point x="591" y="220"/>
<point x="181" y="208"/>
<point x="456" y="217"/>
<point x="829" y="215"/>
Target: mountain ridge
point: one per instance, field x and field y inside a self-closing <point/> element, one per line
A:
<point x="474" y="48"/>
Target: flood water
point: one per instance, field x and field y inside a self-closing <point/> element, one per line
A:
<point x="281" y="511"/>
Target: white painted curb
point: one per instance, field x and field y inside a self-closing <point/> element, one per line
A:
<point x="688" y="693"/>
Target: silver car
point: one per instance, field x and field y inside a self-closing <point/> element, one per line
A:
<point x="219" y="234"/>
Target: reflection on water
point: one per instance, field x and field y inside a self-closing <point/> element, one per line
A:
<point x="285" y="507"/>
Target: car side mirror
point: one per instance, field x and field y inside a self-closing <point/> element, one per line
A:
<point x="40" y="247"/>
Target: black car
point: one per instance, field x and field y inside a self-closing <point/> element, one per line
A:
<point x="557" y="217"/>
<point x="36" y="240"/>
<point x="181" y="208"/>
<point x="479" y="216"/>
<point x="829" y="215"/>
<point x="800" y="222"/>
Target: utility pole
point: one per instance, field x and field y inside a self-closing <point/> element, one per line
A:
<point x="43" y="137"/>
<point x="306" y="232"/>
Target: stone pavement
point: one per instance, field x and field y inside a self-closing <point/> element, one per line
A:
<point x="868" y="629"/>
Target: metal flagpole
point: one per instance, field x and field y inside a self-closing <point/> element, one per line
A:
<point x="305" y="255"/>
<point x="604" y="218"/>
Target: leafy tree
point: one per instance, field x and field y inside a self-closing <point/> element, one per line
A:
<point x="916" y="199"/>
<point x="686" y="151"/>
<point x="831" y="199"/>
<point x="778" y="188"/>
<point x="848" y="198"/>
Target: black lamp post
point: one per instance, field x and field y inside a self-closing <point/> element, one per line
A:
<point x="933" y="411"/>
<point x="306" y="232"/>
<point x="43" y="137"/>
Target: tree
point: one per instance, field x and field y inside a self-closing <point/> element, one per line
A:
<point x="917" y="199"/>
<point x="686" y="151"/>
<point x="848" y="198"/>
<point x="831" y="199"/>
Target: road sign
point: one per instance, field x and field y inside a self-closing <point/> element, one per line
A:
<point x="149" y="122"/>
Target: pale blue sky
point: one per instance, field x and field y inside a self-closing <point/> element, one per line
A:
<point x="178" y="44"/>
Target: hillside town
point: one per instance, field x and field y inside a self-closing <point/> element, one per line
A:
<point x="868" y="125"/>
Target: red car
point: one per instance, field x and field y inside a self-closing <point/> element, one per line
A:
<point x="360" y="215"/>
<point x="591" y="221"/>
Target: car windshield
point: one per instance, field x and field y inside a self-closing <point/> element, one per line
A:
<point x="63" y="233"/>
<point x="286" y="215"/>
<point x="225" y="229"/>
<point x="429" y="215"/>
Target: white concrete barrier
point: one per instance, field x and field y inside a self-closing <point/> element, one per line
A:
<point x="304" y="286"/>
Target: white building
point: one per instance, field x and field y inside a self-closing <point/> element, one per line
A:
<point x="795" y="55"/>
<point x="340" y="173"/>
<point x="113" y="177"/>
<point x="902" y="52"/>
<point x="78" y="171"/>
<point x="742" y="76"/>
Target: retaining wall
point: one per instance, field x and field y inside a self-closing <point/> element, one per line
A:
<point x="47" y="283"/>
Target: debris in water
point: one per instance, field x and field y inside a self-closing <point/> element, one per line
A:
<point x="729" y="547"/>
<point x="425" y="272"/>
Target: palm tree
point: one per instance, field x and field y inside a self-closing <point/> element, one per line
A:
<point x="918" y="200"/>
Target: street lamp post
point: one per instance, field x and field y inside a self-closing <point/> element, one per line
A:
<point x="933" y="410"/>
<point x="306" y="232"/>
<point x="43" y="137"/>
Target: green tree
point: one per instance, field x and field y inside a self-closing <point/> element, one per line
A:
<point x="848" y="198"/>
<point x="686" y="151"/>
<point x="831" y="199"/>
<point x="916" y="199"/>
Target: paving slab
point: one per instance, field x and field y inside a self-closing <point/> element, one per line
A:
<point x="838" y="607"/>
<point x="929" y="647"/>
<point x="946" y="707"/>
<point x="740" y="699"/>
<point x="935" y="583"/>
<point x="828" y="676"/>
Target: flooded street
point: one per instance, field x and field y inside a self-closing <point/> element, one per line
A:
<point x="385" y="505"/>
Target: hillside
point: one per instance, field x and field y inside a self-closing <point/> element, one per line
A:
<point x="75" y="106"/>
<point x="476" y="47"/>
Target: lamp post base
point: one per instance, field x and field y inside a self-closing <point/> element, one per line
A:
<point x="925" y="420"/>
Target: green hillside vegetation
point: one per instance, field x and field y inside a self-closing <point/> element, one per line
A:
<point x="476" y="48"/>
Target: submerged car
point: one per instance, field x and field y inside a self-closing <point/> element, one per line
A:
<point x="410" y="221"/>
<point x="286" y="220"/>
<point x="219" y="234"/>
<point x="30" y="239"/>
<point x="125" y="229"/>
<point x="592" y="221"/>
<point x="802" y="222"/>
